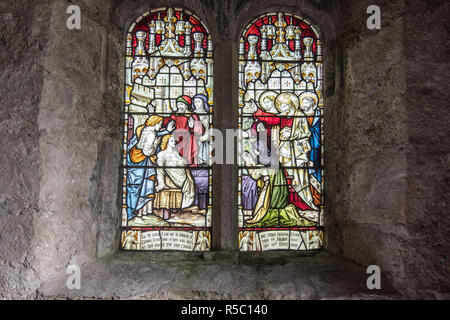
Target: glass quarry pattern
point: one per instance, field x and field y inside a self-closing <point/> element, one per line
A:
<point x="167" y="116"/>
<point x="280" y="92"/>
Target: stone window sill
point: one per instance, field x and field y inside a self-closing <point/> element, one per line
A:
<point x="219" y="275"/>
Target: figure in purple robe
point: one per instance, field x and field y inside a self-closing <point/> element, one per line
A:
<point x="249" y="192"/>
<point x="201" y="185"/>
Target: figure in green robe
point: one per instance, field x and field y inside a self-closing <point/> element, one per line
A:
<point x="272" y="207"/>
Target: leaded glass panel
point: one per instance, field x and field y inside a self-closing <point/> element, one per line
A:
<point x="168" y="109"/>
<point x="280" y="95"/>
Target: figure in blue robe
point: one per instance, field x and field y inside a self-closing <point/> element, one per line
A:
<point x="141" y="172"/>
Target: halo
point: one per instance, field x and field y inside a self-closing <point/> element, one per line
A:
<point x="312" y="95"/>
<point x="287" y="96"/>
<point x="271" y="95"/>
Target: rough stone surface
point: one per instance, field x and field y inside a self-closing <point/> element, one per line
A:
<point x="427" y="53"/>
<point x="218" y="275"/>
<point x="387" y="156"/>
<point x="367" y="135"/>
<point x="388" y="175"/>
<point x="23" y="38"/>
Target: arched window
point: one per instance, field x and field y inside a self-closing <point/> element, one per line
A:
<point x="280" y="96"/>
<point x="167" y="117"/>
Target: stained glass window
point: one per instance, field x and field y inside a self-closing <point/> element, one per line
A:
<point x="280" y="95"/>
<point x="167" y="119"/>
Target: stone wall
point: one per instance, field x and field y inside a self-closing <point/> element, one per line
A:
<point x="427" y="52"/>
<point x="60" y="128"/>
<point x="388" y="205"/>
<point x="23" y="37"/>
<point x="80" y="123"/>
<point x="367" y="136"/>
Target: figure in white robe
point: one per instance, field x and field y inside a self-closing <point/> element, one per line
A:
<point x="203" y="242"/>
<point x="179" y="177"/>
<point x="130" y="243"/>
<point x="246" y="243"/>
<point x="315" y="242"/>
<point x="293" y="145"/>
<point x="201" y="108"/>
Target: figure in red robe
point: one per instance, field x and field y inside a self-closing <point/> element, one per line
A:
<point x="186" y="130"/>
